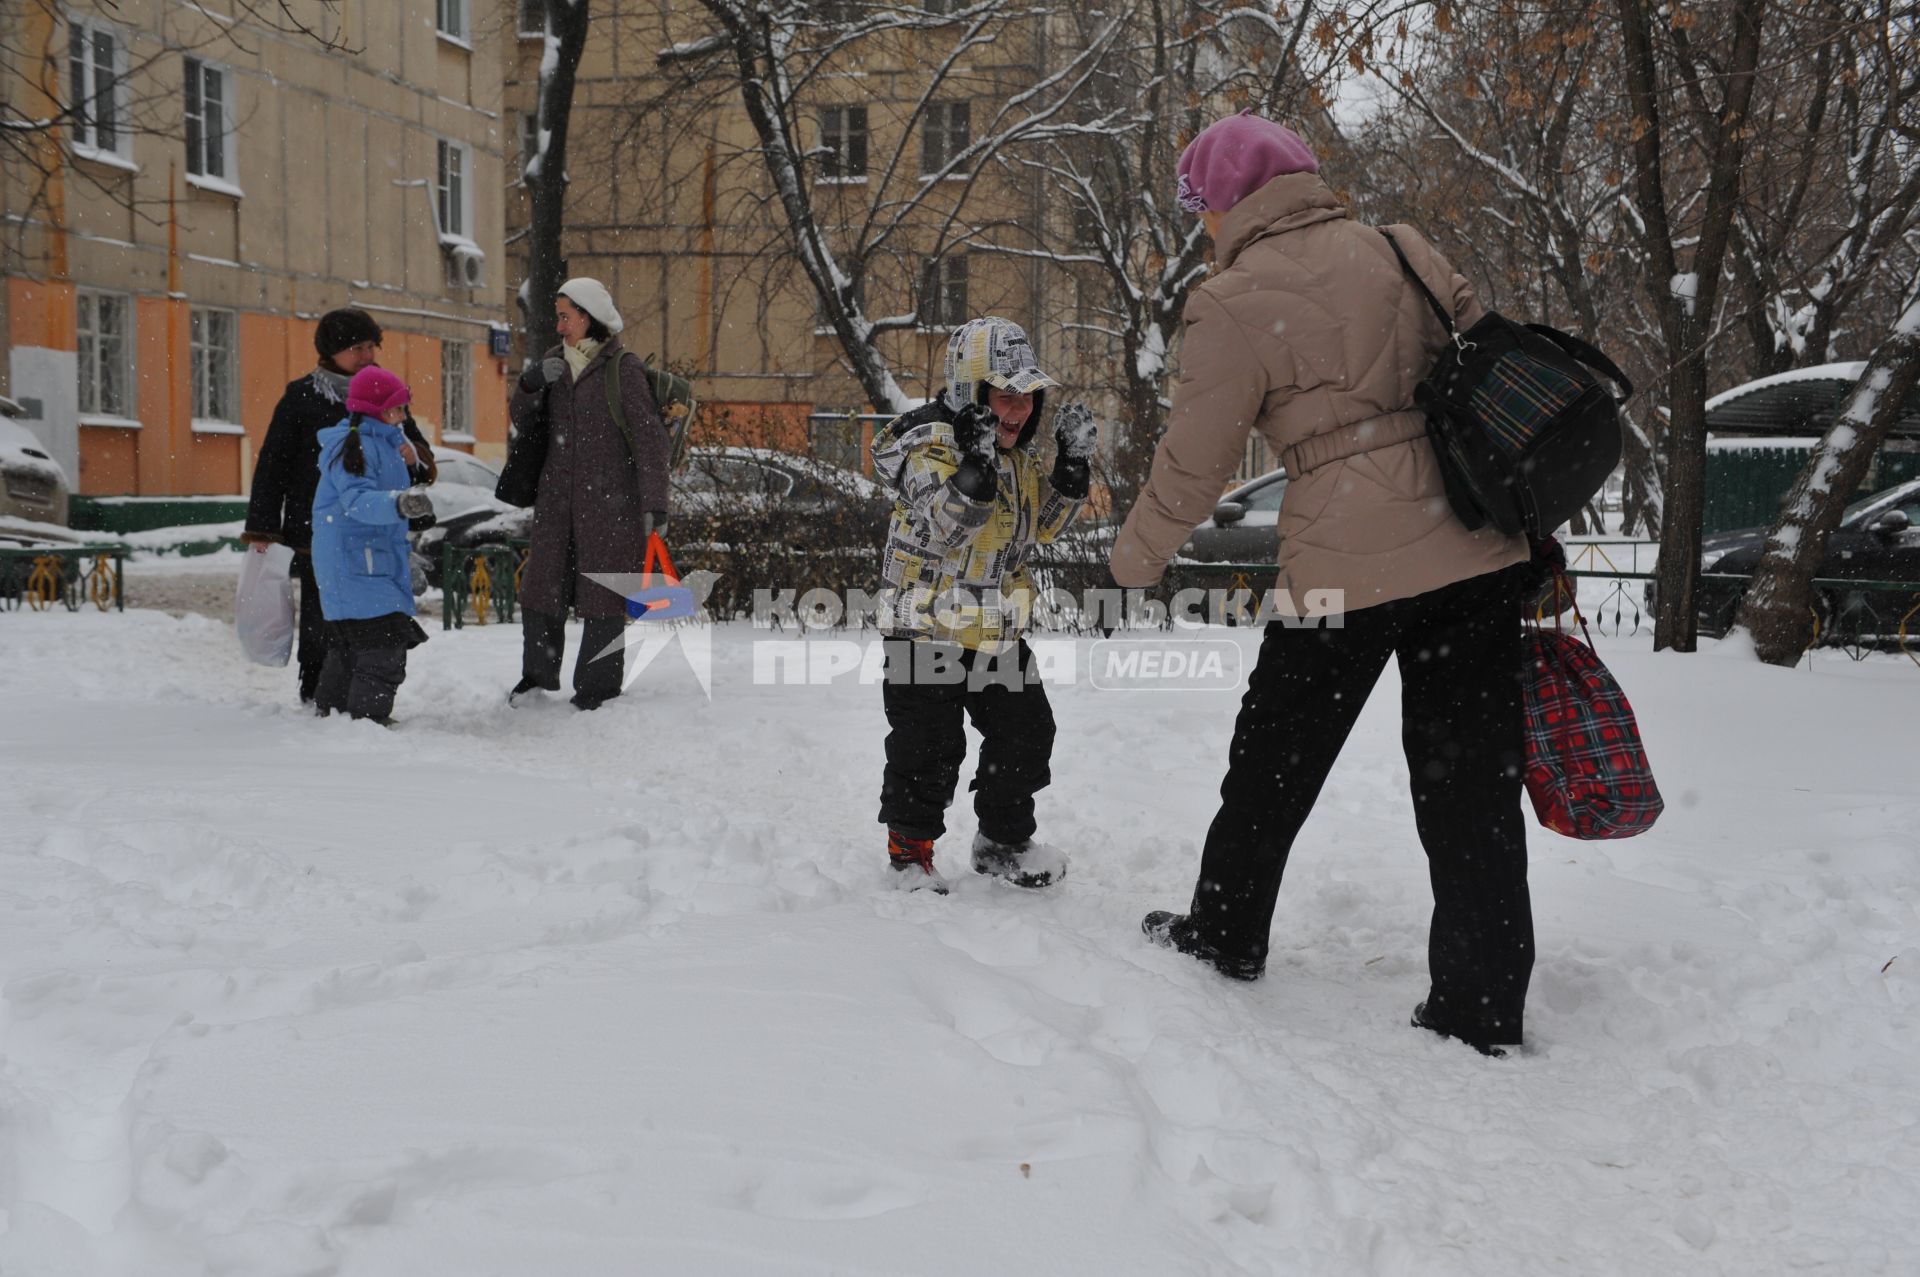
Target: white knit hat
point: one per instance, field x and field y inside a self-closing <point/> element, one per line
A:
<point x="592" y="296"/>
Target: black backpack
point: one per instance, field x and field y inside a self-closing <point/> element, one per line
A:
<point x="1525" y="433"/>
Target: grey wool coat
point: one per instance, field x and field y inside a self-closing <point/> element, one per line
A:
<point x="594" y="491"/>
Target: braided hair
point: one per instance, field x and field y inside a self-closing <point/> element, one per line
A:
<point x="352" y="455"/>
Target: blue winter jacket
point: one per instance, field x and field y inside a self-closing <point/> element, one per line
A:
<point x="359" y="539"/>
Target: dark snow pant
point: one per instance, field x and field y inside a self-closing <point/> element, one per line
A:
<point x="927" y="708"/>
<point x="543" y="638"/>
<point x="362" y="681"/>
<point x="312" y="648"/>
<point x="1460" y="661"/>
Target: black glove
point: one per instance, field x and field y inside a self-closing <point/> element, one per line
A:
<point x="538" y="376"/>
<point x="413" y="504"/>
<point x="1074" y="436"/>
<point x="974" y="428"/>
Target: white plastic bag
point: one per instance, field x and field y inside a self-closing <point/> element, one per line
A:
<point x="263" y="605"/>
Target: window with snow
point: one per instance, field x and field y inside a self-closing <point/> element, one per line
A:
<point x="943" y="292"/>
<point x="105" y="351"/>
<point x="456" y="390"/>
<point x="943" y="135"/>
<point x="215" y="356"/>
<point x="843" y="139"/>
<point x="529" y="142"/>
<point x="452" y="197"/>
<point x="533" y="17"/>
<point x="97" y="68"/>
<point x="209" y="121"/>
<point x="450" y="19"/>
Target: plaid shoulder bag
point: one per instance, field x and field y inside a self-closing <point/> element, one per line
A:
<point x="1586" y="771"/>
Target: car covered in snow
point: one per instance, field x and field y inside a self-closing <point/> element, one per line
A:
<point x="32" y="484"/>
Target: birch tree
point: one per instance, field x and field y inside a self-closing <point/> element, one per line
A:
<point x="1778" y="605"/>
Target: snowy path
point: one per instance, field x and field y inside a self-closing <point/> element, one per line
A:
<point x="543" y="992"/>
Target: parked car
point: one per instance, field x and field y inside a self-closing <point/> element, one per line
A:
<point x="1245" y="524"/>
<point x="1878" y="540"/>
<point x="32" y="484"/>
<point x="462" y="498"/>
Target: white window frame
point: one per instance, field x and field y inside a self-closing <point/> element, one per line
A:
<point x="938" y="123"/>
<point x="216" y="384"/>
<point x="199" y="72"/>
<point x="84" y="132"/>
<point x="838" y="143"/>
<point x="460" y="14"/>
<point x="520" y="19"/>
<point x="456" y="392"/>
<point x="92" y="354"/>
<point x="442" y="197"/>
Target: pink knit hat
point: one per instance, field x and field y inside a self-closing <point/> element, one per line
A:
<point x="374" y="390"/>
<point x="1234" y="157"/>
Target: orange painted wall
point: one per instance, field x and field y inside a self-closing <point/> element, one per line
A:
<point x="163" y="393"/>
<point x="109" y="461"/>
<point x="492" y="387"/>
<point x="42" y="314"/>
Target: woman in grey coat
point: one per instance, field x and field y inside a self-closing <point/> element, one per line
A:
<point x="603" y="489"/>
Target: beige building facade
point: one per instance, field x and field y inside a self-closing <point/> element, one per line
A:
<point x="209" y="185"/>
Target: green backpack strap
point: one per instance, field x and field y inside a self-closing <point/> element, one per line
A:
<point x="616" y="403"/>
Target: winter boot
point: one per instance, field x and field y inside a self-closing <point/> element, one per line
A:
<point x="1492" y="1049"/>
<point x="1024" y="864"/>
<point x="912" y="861"/>
<point x="520" y="690"/>
<point x="1176" y="931"/>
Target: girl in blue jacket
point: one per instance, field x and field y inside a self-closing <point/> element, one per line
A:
<point x="360" y="551"/>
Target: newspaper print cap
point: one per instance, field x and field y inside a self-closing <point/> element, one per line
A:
<point x="991" y="352"/>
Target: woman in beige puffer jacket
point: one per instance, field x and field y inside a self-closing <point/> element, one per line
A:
<point x="1308" y="333"/>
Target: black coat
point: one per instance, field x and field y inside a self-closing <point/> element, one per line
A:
<point x="288" y="468"/>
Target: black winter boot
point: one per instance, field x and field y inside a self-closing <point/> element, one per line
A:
<point x="1176" y="931"/>
<point x="1497" y="1050"/>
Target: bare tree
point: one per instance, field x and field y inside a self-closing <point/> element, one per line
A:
<point x="545" y="171"/>
<point x="1779" y="601"/>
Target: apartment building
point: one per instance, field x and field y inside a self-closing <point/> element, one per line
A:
<point x="202" y="179"/>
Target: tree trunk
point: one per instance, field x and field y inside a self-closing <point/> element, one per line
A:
<point x="1778" y="605"/>
<point x="546" y="175"/>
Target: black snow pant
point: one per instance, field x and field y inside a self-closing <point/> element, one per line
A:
<point x="543" y="638"/>
<point x="927" y="707"/>
<point x="1459" y="651"/>
<point x="362" y="681"/>
<point x="312" y="649"/>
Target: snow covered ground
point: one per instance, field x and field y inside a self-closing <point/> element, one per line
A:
<point x="543" y="992"/>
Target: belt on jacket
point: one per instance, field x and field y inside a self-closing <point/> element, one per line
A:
<point x="1350" y="441"/>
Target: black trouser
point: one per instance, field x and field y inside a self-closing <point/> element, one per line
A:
<point x="361" y="681"/>
<point x="543" y="639"/>
<point x="1460" y="668"/>
<point x="927" y="709"/>
<point x="312" y="650"/>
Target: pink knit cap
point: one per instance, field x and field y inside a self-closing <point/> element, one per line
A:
<point x="1234" y="157"/>
<point x="374" y="390"/>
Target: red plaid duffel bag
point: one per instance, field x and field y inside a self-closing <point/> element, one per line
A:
<point x="1587" y="774"/>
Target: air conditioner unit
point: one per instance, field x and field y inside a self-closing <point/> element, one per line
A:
<point x="466" y="266"/>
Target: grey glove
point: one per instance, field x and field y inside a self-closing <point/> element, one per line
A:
<point x="413" y="503"/>
<point x="974" y="428"/>
<point x="653" y="521"/>
<point x="554" y="368"/>
<point x="1074" y="436"/>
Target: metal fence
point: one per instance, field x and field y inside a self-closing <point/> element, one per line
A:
<point x="37" y="577"/>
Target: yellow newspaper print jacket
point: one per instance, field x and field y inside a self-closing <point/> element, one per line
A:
<point x="955" y="568"/>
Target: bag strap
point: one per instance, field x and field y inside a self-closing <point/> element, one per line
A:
<point x="616" y="402"/>
<point x="1439" y="311"/>
<point x="1586" y="354"/>
<point x="657" y="555"/>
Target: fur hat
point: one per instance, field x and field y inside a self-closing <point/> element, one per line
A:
<point x="373" y="391"/>
<point x="592" y="296"/>
<point x="1234" y="157"/>
<point x="344" y="329"/>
